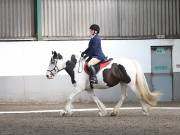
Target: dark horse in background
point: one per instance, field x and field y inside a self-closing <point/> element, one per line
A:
<point x="124" y="72"/>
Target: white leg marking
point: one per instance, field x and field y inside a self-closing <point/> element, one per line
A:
<point x="120" y="102"/>
<point x="100" y="105"/>
<point x="68" y="106"/>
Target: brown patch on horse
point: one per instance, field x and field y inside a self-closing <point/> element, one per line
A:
<point x="115" y="75"/>
<point x="109" y="78"/>
<point x="119" y="72"/>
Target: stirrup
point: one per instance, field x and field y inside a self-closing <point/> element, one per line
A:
<point x="93" y="80"/>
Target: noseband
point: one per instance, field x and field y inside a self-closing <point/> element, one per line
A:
<point x="56" y="69"/>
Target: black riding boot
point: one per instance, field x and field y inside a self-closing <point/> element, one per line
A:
<point x="93" y="78"/>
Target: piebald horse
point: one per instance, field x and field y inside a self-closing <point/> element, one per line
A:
<point x="124" y="72"/>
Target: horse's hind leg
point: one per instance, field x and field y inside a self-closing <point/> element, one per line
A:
<point x="68" y="106"/>
<point x="100" y="105"/>
<point x="145" y="106"/>
<point x="120" y="102"/>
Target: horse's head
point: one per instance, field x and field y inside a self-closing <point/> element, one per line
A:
<point x="56" y="64"/>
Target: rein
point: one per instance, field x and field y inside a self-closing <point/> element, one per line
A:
<point x="55" y="69"/>
<point x="80" y="65"/>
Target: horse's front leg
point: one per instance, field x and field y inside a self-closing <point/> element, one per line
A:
<point x="100" y="105"/>
<point x="68" y="107"/>
<point x="120" y="102"/>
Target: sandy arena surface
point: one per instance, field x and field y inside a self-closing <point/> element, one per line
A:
<point x="128" y="122"/>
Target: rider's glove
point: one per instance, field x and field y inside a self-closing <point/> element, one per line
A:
<point x="82" y="54"/>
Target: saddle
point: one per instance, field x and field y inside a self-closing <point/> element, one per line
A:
<point x="98" y="66"/>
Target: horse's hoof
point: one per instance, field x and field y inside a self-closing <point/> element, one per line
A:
<point x="113" y="114"/>
<point x="63" y="113"/>
<point x="145" y="113"/>
<point x="101" y="114"/>
<point x="70" y="114"/>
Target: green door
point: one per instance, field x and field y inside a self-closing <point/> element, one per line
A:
<point x="161" y="69"/>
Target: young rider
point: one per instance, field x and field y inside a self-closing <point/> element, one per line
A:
<point x="93" y="52"/>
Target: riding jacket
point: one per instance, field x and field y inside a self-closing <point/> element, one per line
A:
<point x="94" y="49"/>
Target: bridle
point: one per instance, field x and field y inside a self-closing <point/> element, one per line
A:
<point x="56" y="69"/>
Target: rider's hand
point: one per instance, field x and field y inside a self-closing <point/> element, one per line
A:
<point x="82" y="54"/>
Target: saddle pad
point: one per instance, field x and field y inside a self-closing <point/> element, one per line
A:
<point x="98" y="66"/>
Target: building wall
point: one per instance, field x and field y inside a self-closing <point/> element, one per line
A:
<point x="16" y="19"/>
<point x="24" y="64"/>
<point x="176" y="85"/>
<point x="70" y="19"/>
<point x="117" y="18"/>
<point x="176" y="75"/>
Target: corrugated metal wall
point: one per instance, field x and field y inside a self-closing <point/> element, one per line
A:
<point x="149" y="17"/>
<point x="16" y="18"/>
<point x="71" y="18"/>
<point x="117" y="18"/>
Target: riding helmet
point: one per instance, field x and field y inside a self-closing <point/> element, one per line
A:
<point x="95" y="27"/>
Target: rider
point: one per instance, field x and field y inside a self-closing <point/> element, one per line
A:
<point x="93" y="52"/>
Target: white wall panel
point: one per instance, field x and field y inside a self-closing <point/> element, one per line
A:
<point x="24" y="64"/>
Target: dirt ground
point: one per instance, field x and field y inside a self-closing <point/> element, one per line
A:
<point x="128" y="122"/>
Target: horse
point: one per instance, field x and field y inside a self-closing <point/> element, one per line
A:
<point x="122" y="71"/>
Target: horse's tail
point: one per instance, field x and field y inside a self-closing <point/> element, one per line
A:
<point x="145" y="93"/>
